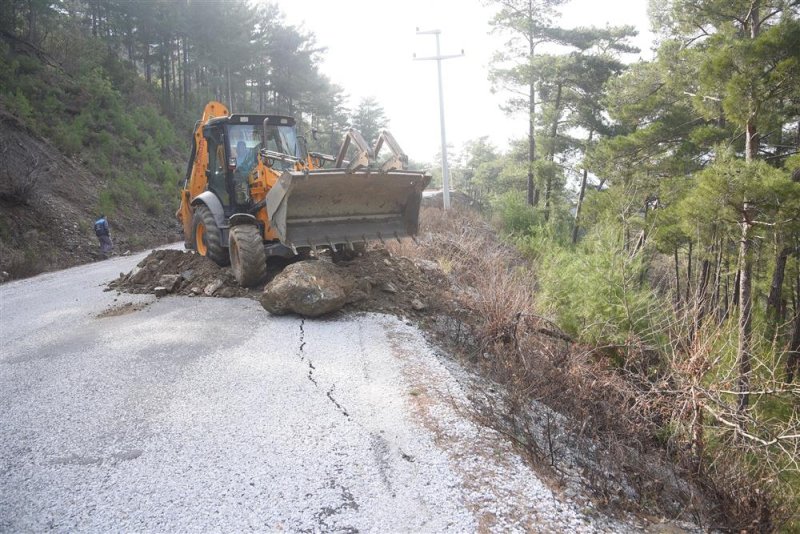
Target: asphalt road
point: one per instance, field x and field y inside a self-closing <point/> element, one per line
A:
<point x="201" y="414"/>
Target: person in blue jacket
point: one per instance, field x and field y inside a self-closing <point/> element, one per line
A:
<point x="103" y="233"/>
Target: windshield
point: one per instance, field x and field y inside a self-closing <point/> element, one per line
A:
<point x="282" y="139"/>
<point x="246" y="140"/>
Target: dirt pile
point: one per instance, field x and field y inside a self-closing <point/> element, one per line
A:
<point x="381" y="282"/>
<point x="398" y="285"/>
<point x="180" y="273"/>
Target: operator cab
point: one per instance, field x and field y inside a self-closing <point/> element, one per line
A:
<point x="233" y="145"/>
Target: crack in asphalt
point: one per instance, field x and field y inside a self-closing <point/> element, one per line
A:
<point x="311" y="369"/>
<point x="302" y="338"/>
<point x="301" y="352"/>
<point x="335" y="402"/>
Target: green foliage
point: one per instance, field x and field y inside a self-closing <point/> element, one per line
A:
<point x="369" y="118"/>
<point x="109" y="134"/>
<point x="106" y="203"/>
<point x="724" y="187"/>
<point x="595" y="291"/>
<point x="20" y="105"/>
<point x="516" y="216"/>
<point x="119" y="85"/>
<point x="69" y="139"/>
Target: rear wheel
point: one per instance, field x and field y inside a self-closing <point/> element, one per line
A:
<point x="248" y="257"/>
<point x="207" y="237"/>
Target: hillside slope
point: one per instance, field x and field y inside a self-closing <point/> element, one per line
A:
<point x="75" y="145"/>
<point x="52" y="227"/>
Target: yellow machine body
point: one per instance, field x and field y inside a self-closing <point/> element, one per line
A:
<point x="250" y="177"/>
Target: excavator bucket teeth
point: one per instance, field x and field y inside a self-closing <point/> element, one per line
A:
<point x="336" y="207"/>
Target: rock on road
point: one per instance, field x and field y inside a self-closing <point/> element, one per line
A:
<point x="198" y="414"/>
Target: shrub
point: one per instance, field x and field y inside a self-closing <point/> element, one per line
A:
<point x="595" y="291"/>
<point x="19" y="104"/>
<point x="70" y="137"/>
<point x="22" y="263"/>
<point x="514" y="214"/>
<point x="106" y="203"/>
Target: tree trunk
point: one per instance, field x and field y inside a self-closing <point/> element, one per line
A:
<point x="165" y="81"/>
<point x="774" y="300"/>
<point x="186" y="72"/>
<point x="677" y="277"/>
<point x="548" y="190"/>
<point x="728" y="298"/>
<point x="689" y="276"/>
<point x="175" y="85"/>
<point x="582" y="192"/>
<point x="751" y="138"/>
<point x="230" y="97"/>
<point x="700" y="304"/>
<point x="793" y="360"/>
<point x="533" y="197"/>
<point x="94" y="8"/>
<point x="705" y="271"/>
<point x="745" y="262"/>
<point x="745" y="316"/>
<point x="148" y="74"/>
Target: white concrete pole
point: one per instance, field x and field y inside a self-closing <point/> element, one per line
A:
<point x="445" y="168"/>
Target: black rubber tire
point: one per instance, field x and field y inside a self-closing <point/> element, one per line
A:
<point x="212" y="236"/>
<point x="248" y="257"/>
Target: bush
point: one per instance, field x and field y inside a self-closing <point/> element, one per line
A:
<point x="25" y="262"/>
<point x="67" y="140"/>
<point x="595" y="291"/>
<point x="515" y="216"/>
<point x="20" y="106"/>
<point x="106" y="203"/>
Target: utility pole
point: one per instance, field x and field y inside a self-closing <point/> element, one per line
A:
<point x="439" y="57"/>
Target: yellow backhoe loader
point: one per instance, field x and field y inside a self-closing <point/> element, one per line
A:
<point x="253" y="190"/>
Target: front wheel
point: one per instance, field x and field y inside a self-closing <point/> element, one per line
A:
<point x="248" y="257"/>
<point x="207" y="237"/>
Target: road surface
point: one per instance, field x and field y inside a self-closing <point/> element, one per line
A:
<point x="126" y="413"/>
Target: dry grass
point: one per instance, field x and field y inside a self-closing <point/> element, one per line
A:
<point x="647" y="421"/>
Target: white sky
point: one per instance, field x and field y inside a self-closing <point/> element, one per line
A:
<point x="370" y="44"/>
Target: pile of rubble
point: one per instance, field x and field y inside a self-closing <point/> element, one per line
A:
<point x="181" y="273"/>
<point x="373" y="280"/>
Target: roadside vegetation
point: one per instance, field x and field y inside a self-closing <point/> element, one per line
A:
<point x="605" y="375"/>
<point x="654" y="216"/>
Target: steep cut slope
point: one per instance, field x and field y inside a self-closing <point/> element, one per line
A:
<point x="48" y="203"/>
<point x="75" y="141"/>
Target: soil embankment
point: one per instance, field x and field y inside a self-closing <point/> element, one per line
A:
<point x="48" y="203"/>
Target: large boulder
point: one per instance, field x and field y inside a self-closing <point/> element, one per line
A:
<point x="310" y="288"/>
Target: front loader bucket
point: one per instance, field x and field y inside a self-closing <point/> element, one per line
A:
<point x="336" y="207"/>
